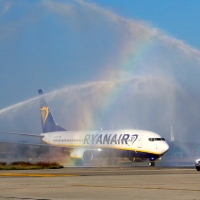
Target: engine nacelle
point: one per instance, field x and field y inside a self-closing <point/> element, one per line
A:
<point x="84" y="154"/>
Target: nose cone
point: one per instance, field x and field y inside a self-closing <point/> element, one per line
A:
<point x="164" y="147"/>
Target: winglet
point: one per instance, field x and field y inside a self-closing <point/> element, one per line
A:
<point x="40" y="91"/>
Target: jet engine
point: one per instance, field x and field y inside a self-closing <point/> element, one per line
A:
<point x="82" y="154"/>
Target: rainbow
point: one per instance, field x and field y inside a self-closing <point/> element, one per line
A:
<point x="133" y="54"/>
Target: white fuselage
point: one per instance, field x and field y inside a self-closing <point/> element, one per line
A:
<point x="132" y="140"/>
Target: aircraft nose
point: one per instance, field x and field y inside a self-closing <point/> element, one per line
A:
<point x="165" y="147"/>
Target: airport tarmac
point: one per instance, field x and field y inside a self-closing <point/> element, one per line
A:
<point x="101" y="183"/>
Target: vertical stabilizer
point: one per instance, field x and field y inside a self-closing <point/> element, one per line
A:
<point x="48" y="122"/>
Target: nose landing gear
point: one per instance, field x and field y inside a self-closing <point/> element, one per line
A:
<point x="152" y="164"/>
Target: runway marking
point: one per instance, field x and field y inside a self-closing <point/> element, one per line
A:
<point x="132" y="187"/>
<point x="107" y="187"/>
<point x="37" y="175"/>
<point x="20" y="198"/>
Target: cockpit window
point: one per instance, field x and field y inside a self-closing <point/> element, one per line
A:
<point x="156" y="139"/>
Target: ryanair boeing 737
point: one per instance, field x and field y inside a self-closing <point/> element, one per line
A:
<point x="85" y="145"/>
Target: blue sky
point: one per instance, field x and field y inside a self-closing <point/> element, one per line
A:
<point x="110" y="64"/>
<point x="44" y="47"/>
<point x="178" y="18"/>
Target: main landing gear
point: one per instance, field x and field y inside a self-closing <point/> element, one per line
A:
<point x="152" y="164"/>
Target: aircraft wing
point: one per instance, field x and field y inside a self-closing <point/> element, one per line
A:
<point x="34" y="144"/>
<point x="27" y="143"/>
<point x="25" y="134"/>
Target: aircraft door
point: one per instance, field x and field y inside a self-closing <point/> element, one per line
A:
<point x="140" y="141"/>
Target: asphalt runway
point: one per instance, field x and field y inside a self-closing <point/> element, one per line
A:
<point x="101" y="183"/>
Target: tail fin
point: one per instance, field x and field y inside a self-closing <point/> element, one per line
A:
<point x="48" y="122"/>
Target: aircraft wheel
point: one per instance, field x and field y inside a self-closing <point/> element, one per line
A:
<point x="152" y="164"/>
<point x="198" y="168"/>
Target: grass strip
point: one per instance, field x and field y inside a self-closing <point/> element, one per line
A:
<point x="28" y="165"/>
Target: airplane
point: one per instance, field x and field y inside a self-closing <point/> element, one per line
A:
<point x="136" y="145"/>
